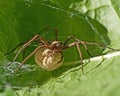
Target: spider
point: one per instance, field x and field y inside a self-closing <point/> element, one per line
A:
<point x="49" y="55"/>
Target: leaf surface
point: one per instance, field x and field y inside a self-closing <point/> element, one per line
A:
<point x="87" y="20"/>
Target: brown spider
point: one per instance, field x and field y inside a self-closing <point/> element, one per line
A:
<point x="49" y="55"/>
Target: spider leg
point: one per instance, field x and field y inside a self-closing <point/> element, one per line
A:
<point x="24" y="46"/>
<point x="24" y="52"/>
<point x="76" y="43"/>
<point x="82" y="42"/>
<point x="68" y="39"/>
<point x="81" y="57"/>
<point x="53" y="29"/>
<point x="29" y="56"/>
<point x="85" y="46"/>
<point x="89" y="43"/>
<point x="101" y="45"/>
<point x="20" y="44"/>
<point x="75" y="39"/>
<point x="36" y="37"/>
<point x="92" y="43"/>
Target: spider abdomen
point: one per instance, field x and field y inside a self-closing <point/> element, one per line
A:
<point x="48" y="59"/>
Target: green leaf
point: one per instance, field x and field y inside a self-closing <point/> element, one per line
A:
<point x="87" y="20"/>
<point x="8" y="92"/>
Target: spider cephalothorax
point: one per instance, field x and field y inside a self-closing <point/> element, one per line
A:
<point x="49" y="55"/>
<point x="56" y="46"/>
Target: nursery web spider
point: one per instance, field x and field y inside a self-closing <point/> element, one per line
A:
<point x="49" y="55"/>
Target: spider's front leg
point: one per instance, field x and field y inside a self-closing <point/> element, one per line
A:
<point x="77" y="40"/>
